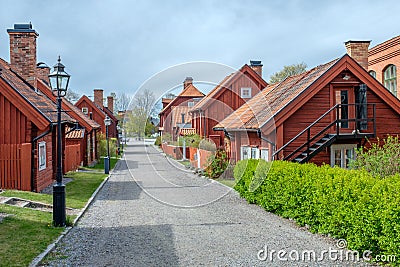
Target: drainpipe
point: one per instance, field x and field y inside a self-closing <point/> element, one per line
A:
<point x="204" y="124"/>
<point x="34" y="142"/>
<point x="260" y="135"/>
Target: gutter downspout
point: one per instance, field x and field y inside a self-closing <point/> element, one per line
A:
<point x="260" y="135"/>
<point x="34" y="142"/>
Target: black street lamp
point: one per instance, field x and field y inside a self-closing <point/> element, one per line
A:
<point x="59" y="80"/>
<point x="107" y="122"/>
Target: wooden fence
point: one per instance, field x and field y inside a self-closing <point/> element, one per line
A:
<point x="72" y="157"/>
<point x="15" y="166"/>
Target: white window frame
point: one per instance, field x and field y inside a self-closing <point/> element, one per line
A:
<point x="343" y="156"/>
<point x="245" y="92"/>
<point x="255" y="153"/>
<point x="245" y="152"/>
<point x="191" y="104"/>
<point x="42" y="156"/>
<point x="85" y="110"/>
<point x="264" y="154"/>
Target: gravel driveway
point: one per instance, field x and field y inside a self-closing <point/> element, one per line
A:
<point x="152" y="212"/>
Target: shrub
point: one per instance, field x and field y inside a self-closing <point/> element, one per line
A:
<point x="349" y="204"/>
<point x="193" y="140"/>
<point x="158" y="141"/>
<point x="102" y="145"/>
<point x="217" y="164"/>
<point x="380" y="159"/>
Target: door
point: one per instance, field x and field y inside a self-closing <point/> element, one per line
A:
<point x="345" y="98"/>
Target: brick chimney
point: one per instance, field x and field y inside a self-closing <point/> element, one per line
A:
<point x="358" y="50"/>
<point x="23" y="51"/>
<point x="188" y="81"/>
<point x="256" y="66"/>
<point x="98" y="97"/>
<point x="110" y="103"/>
<point x="43" y="71"/>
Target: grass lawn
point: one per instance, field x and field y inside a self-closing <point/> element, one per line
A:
<point x="78" y="191"/>
<point x="24" y="235"/>
<point x="100" y="165"/>
<point x="28" y="232"/>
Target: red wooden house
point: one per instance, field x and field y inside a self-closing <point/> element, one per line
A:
<point x="86" y="139"/>
<point x="170" y="117"/>
<point x="28" y="119"/>
<point x="226" y="97"/>
<point x="96" y="111"/>
<point x="321" y="115"/>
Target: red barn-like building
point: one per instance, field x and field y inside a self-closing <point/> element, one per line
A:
<point x="320" y="116"/>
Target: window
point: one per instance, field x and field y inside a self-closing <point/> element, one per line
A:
<point x="42" y="156"/>
<point x="265" y="154"/>
<point x="190" y="104"/>
<point x="389" y="77"/>
<point x="255" y="153"/>
<point x="183" y="117"/>
<point x="372" y="73"/>
<point x="85" y="110"/>
<point x="341" y="155"/>
<point x="245" y="152"/>
<point x="245" y="92"/>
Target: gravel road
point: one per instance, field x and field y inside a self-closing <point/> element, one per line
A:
<point x="153" y="212"/>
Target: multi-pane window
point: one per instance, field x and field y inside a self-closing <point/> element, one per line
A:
<point x="341" y="155"/>
<point x="245" y="92"/>
<point x="372" y="73"/>
<point x="389" y="77"/>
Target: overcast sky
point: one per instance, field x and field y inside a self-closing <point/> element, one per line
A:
<point x="117" y="45"/>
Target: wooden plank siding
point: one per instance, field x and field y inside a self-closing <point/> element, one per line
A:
<point x="305" y="116"/>
<point x="72" y="157"/>
<point x="15" y="166"/>
<point x="225" y="103"/>
<point x="13" y="123"/>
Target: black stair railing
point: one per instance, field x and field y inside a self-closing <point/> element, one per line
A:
<point x="326" y="130"/>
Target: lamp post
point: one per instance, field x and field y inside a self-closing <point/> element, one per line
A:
<point x="107" y="122"/>
<point x="59" y="80"/>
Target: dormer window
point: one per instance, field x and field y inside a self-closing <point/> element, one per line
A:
<point x="85" y="110"/>
<point x="245" y="92"/>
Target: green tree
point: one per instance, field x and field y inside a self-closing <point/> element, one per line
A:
<point x="288" y="71"/>
<point x="142" y="109"/>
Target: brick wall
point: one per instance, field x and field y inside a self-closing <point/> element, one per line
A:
<point x="382" y="55"/>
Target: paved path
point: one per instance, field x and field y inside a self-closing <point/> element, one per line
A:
<point x="152" y="212"/>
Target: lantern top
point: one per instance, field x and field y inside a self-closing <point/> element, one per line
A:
<point x="59" y="79"/>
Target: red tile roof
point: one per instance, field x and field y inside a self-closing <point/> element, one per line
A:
<point x="38" y="100"/>
<point x="189" y="91"/>
<point x="76" y="113"/>
<point x="255" y="113"/>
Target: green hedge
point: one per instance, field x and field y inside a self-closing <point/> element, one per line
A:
<point x="349" y="204"/>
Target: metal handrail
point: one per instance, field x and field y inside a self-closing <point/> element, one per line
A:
<point x="337" y="121"/>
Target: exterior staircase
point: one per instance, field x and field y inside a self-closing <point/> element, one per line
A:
<point x="321" y="134"/>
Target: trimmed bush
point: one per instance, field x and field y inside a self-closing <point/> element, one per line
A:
<point x="349" y="204"/>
